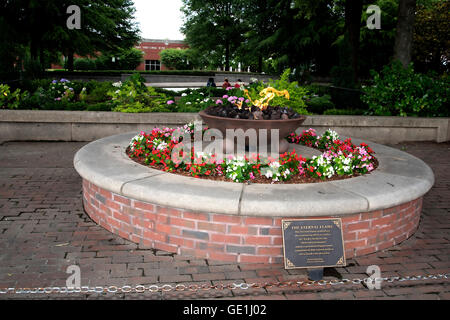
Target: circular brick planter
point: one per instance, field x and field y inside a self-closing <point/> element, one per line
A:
<point x="237" y="222"/>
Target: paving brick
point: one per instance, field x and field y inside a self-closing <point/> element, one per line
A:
<point x="44" y="229"/>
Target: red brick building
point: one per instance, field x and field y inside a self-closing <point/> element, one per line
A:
<point x="151" y="49"/>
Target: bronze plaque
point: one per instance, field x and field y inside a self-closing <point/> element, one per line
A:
<point x="313" y="243"/>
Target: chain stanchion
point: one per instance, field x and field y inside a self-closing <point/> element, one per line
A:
<point x="205" y="287"/>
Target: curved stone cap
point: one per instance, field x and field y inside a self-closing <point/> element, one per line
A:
<point x="399" y="178"/>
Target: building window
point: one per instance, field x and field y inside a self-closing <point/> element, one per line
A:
<point x="152" y="65"/>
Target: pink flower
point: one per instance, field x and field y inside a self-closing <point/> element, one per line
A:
<point x="225" y="97"/>
<point x="229" y="88"/>
<point x="219" y="101"/>
<point x="170" y="102"/>
<point x="252" y="176"/>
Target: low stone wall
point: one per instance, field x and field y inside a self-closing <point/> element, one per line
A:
<point x="244" y="239"/>
<point x="242" y="223"/>
<point x="30" y="125"/>
<point x="161" y="78"/>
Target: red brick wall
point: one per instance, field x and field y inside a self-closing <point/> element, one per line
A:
<point x="236" y="238"/>
<point x="152" y="49"/>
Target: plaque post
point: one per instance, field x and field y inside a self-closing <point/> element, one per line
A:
<point x="315" y="274"/>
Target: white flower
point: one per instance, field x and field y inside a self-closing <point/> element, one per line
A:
<point x="275" y="165"/>
<point x="117" y="84"/>
<point x="137" y="138"/>
<point x="333" y="134"/>
<point x="329" y="172"/>
<point x="184" y="94"/>
<point x="162" y="146"/>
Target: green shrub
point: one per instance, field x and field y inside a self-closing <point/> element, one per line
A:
<point x="176" y="58"/>
<point x="318" y="89"/>
<point x="11" y="100"/>
<point x="399" y="91"/>
<point x="84" y="64"/>
<point x="194" y="101"/>
<point x="318" y="104"/>
<point x="297" y="94"/>
<point x="133" y="96"/>
<point x="97" y="91"/>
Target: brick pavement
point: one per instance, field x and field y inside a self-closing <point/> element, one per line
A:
<point x="43" y="230"/>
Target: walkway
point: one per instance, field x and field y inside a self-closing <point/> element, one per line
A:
<point x="43" y="230"/>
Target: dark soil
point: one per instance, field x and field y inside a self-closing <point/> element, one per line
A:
<point x="260" y="180"/>
<point x="271" y="113"/>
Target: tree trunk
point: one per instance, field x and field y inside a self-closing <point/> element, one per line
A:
<point x="70" y="65"/>
<point x="33" y="49"/>
<point x="227" y="55"/>
<point x="404" y="33"/>
<point x="353" y="13"/>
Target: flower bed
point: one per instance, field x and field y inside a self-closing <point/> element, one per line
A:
<point x="340" y="159"/>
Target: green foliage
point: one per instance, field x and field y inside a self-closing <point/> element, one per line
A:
<point x="431" y="41"/>
<point x="10" y="100"/>
<point x="193" y="101"/>
<point x="377" y="45"/>
<point x="134" y="97"/>
<point x="342" y="76"/>
<point x="40" y="28"/>
<point x="214" y="28"/>
<point x="33" y="68"/>
<point x="297" y="94"/>
<point x="84" y="64"/>
<point x="124" y="59"/>
<point x="98" y="93"/>
<point x="400" y="91"/>
<point x="177" y="59"/>
<point x="318" y="104"/>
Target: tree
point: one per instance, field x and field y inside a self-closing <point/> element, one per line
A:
<point x="431" y="50"/>
<point x="353" y="13"/>
<point x="106" y="25"/>
<point x="124" y="59"/>
<point x="404" y="34"/>
<point x="214" y="27"/>
<point x="177" y="59"/>
<point x="377" y="45"/>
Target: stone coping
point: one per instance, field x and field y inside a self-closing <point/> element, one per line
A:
<point x="40" y="125"/>
<point x="400" y="178"/>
